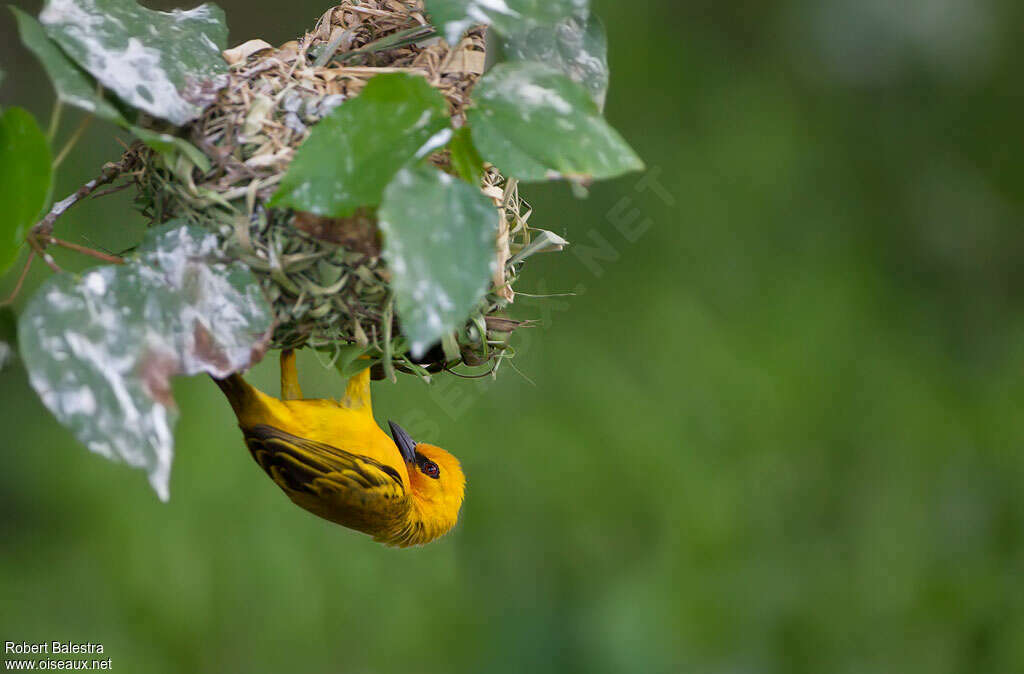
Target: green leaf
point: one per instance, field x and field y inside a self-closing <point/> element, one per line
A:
<point x="100" y="349"/>
<point x="439" y="240"/>
<point x="73" y="85"/>
<point x="25" y="175"/>
<point x="541" y="241"/>
<point x="455" y="17"/>
<point x="466" y="161"/>
<point x="166" y="144"/>
<point x="537" y="124"/>
<point x="352" y="154"/>
<point x="76" y="87"/>
<point x="350" y="360"/>
<point x="167" y="64"/>
<point x="576" y="46"/>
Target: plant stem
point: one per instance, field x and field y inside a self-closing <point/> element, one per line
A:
<point x="84" y="250"/>
<point x="41" y="252"/>
<point x="21" y="279"/>
<point x="44" y="227"/>
<point x="51" y="132"/>
<point x="40" y="235"/>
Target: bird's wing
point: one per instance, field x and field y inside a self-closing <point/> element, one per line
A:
<point x="333" y="483"/>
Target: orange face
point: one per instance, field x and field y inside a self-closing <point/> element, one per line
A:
<point x="436" y="481"/>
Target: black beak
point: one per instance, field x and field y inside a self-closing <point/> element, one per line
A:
<point x="406" y="445"/>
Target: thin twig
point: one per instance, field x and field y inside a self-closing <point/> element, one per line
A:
<point x="85" y="250"/>
<point x="96" y="246"/>
<point x="72" y="141"/>
<point x="41" y="232"/>
<point x="51" y="132"/>
<point x="110" y="172"/>
<point x="521" y="373"/>
<point x="111" y="190"/>
<point x="38" y="248"/>
<point x="21" y="280"/>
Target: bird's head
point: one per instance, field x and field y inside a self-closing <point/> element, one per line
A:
<point x="437" y="487"/>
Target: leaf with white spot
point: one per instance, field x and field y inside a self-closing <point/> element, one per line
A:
<point x="101" y="349"/>
<point x="537" y="124"/>
<point x="352" y="154"/>
<point x="74" y="86"/>
<point x="455" y="17"/>
<point x="439" y="243"/>
<point x="167" y="64"/>
<point x="576" y="46"/>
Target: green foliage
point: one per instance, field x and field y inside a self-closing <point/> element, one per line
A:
<point x="100" y="350"/>
<point x="466" y="160"/>
<point x="25" y="177"/>
<point x="454" y="17"/>
<point x="537" y="124"/>
<point x="350" y="360"/>
<point x="439" y="243"/>
<point x="529" y="121"/>
<point x="167" y="64"/>
<point x="73" y="85"/>
<point x="169" y="144"/>
<point x="76" y="87"/>
<point x="128" y="65"/>
<point x="576" y="46"/>
<point x="352" y="154"/>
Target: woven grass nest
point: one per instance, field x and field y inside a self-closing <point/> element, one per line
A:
<point x="325" y="277"/>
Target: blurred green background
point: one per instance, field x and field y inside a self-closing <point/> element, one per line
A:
<point x="777" y="430"/>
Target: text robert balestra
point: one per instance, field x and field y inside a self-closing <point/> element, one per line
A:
<point x="51" y="647"/>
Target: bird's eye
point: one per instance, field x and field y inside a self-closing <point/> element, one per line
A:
<point x="430" y="469"/>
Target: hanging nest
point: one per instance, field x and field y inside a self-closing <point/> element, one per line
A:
<point x="325" y="277"/>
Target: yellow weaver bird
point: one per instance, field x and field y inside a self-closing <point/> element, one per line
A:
<point x="331" y="458"/>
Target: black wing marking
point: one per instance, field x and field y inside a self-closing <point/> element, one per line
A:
<point x="312" y="472"/>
